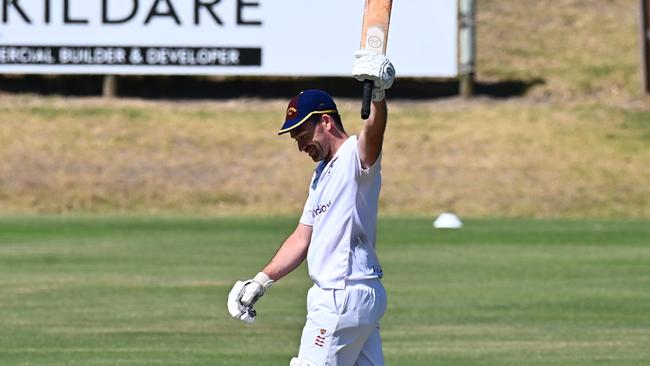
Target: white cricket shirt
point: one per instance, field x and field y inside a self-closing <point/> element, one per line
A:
<point x="342" y="210"/>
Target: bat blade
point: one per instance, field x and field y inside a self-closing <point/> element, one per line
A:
<point x="374" y="37"/>
<point x="376" y="21"/>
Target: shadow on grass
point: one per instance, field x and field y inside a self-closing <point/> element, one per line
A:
<point x="189" y="87"/>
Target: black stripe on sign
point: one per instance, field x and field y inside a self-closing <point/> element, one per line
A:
<point x="130" y="56"/>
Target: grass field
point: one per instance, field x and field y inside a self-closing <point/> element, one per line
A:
<point x="151" y="291"/>
<point x="124" y="223"/>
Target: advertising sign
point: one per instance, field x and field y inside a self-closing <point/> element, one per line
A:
<point x="218" y="37"/>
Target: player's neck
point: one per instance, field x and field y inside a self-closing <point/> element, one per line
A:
<point x="337" y="142"/>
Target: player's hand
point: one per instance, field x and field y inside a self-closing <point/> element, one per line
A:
<point x="244" y="294"/>
<point x="371" y="66"/>
<point x="236" y="309"/>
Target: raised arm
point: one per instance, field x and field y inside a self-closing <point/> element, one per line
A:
<point x="371" y="137"/>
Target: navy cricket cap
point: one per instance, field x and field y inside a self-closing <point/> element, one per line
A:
<point x="305" y="105"/>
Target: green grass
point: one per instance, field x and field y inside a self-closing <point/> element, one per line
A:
<point x="151" y="291"/>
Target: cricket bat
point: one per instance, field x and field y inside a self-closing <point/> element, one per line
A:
<point x="374" y="36"/>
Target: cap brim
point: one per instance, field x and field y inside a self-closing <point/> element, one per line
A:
<point x="294" y="123"/>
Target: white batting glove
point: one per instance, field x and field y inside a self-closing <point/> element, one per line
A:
<point x="236" y="309"/>
<point x="255" y="288"/>
<point x="243" y="296"/>
<point x="370" y="65"/>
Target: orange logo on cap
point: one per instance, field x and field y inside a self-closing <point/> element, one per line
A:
<point x="291" y="111"/>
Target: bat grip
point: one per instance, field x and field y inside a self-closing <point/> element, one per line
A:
<point x="367" y="96"/>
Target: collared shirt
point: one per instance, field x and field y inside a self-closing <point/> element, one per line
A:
<point x="342" y="210"/>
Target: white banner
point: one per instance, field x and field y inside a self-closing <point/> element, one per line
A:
<point x="218" y="37"/>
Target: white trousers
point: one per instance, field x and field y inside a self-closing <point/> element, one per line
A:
<point x="342" y="327"/>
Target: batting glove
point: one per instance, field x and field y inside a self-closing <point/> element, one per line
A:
<point x="372" y="66"/>
<point x="244" y="294"/>
<point x="236" y="309"/>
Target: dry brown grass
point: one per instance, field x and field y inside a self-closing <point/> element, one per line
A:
<point x="510" y="159"/>
<point x="94" y="156"/>
<point x="476" y="158"/>
<point x="579" y="48"/>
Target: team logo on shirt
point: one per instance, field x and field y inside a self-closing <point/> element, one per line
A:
<point x="320" y="339"/>
<point x="329" y="170"/>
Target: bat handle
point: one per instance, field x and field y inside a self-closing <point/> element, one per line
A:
<point x="367" y="96"/>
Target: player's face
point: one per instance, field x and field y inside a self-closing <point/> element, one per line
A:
<point x="312" y="139"/>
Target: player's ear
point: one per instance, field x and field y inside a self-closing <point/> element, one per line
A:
<point x="329" y="123"/>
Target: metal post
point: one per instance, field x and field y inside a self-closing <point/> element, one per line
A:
<point x="467" y="46"/>
<point x="645" y="45"/>
<point x="109" y="87"/>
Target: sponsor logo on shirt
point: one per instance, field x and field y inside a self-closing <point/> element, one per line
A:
<point x="320" y="209"/>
